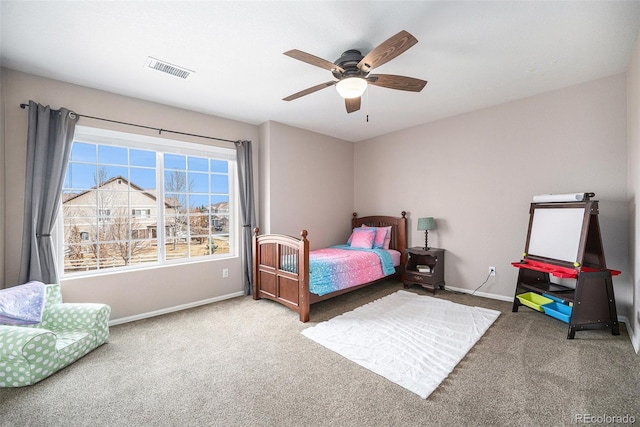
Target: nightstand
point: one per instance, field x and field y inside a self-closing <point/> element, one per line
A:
<point x="424" y="268"/>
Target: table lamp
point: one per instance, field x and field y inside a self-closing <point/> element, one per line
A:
<point x="426" y="224"/>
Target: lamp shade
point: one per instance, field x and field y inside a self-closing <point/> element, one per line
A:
<point x="426" y="223"/>
<point x="351" y="87"/>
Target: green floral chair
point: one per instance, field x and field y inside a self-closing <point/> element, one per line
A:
<point x="67" y="332"/>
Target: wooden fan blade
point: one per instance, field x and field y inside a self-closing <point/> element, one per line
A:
<point x="309" y="90"/>
<point x="352" y="104"/>
<point x="313" y="60"/>
<point x="396" y="82"/>
<point x="386" y="51"/>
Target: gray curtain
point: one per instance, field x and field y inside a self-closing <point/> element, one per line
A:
<point x="49" y="140"/>
<point x="247" y="210"/>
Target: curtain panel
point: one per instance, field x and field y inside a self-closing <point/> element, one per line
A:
<point x="247" y="210"/>
<point x="49" y="139"/>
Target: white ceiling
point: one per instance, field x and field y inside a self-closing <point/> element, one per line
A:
<point x="473" y="54"/>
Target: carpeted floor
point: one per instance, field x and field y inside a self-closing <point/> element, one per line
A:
<point x="242" y="362"/>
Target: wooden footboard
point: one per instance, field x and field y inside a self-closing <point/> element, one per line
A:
<point x="281" y="270"/>
<point x="281" y="264"/>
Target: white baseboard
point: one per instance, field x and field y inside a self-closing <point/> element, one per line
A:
<point x="635" y="339"/>
<point x="480" y="294"/>
<point x="173" y="309"/>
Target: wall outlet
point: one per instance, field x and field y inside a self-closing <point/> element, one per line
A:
<point x="492" y="271"/>
<point x="225" y="273"/>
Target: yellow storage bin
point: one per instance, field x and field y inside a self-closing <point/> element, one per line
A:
<point x="534" y="300"/>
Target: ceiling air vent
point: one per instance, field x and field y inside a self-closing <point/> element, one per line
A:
<point x="165" y="67"/>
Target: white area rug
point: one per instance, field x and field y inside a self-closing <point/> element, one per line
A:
<point x="410" y="339"/>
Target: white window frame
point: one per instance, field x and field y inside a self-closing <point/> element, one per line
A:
<point x="136" y="141"/>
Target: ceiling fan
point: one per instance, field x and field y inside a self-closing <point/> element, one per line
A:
<point x="352" y="70"/>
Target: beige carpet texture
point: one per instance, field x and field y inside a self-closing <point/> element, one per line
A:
<point x="242" y="362"/>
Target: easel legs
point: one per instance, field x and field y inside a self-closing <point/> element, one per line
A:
<point x="595" y="305"/>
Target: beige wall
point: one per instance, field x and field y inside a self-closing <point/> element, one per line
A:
<point x="476" y="174"/>
<point x="129" y="293"/>
<point x="307" y="183"/>
<point x="633" y="182"/>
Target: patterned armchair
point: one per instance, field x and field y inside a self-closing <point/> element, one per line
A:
<point x="67" y="332"/>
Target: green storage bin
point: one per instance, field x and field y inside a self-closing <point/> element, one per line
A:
<point x="534" y="300"/>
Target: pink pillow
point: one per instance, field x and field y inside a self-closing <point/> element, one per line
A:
<point x="362" y="238"/>
<point x="383" y="236"/>
<point x="387" y="237"/>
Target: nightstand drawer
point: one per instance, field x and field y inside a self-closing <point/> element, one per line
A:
<point x="413" y="276"/>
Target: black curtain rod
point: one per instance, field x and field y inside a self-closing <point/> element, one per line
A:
<point x="23" y="106"/>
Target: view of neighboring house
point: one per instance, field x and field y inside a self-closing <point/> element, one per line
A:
<point x="111" y="202"/>
<point x="116" y="223"/>
<point x="220" y="216"/>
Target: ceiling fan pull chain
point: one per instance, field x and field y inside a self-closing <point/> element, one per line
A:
<point x="367" y="106"/>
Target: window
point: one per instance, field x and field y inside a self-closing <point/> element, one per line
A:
<point x="104" y="215"/>
<point x="141" y="213"/>
<point x="130" y="201"/>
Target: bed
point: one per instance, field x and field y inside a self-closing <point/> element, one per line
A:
<point x="285" y="271"/>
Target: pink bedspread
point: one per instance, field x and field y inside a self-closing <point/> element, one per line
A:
<point x="332" y="269"/>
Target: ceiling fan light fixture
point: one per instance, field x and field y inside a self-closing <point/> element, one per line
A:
<point x="351" y="87"/>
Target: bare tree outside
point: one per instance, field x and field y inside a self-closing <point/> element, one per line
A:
<point x="74" y="249"/>
<point x="123" y="243"/>
<point x="104" y="201"/>
<point x="98" y="248"/>
<point x="176" y="187"/>
<point x="199" y="223"/>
